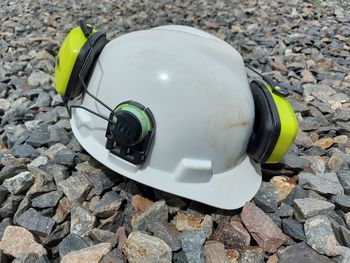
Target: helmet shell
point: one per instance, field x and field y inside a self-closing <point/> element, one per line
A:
<point x="196" y="87"/>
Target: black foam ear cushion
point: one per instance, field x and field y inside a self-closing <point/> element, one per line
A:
<point x="267" y="125"/>
<point x="84" y="64"/>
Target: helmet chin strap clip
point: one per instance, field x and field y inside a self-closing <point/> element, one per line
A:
<point x="86" y="28"/>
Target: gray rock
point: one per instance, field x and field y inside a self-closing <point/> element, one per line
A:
<point x="38" y="162"/>
<point x="252" y="255"/>
<point x="192" y="243"/>
<point x="344" y="179"/>
<point x="275" y="218"/>
<point x="71" y="243"/>
<point x="3" y="193"/>
<point x="309" y="207"/>
<point x="26" y="258"/>
<point x="35" y="222"/>
<point x="42" y="259"/>
<point x="65" y="157"/>
<point x="103" y="236"/>
<point x="9" y="207"/>
<point x="59" y="172"/>
<point x="342" y="202"/>
<point x="168" y="233"/>
<point x="301" y="253"/>
<point x="38" y="78"/>
<point x="180" y="257"/>
<point x="82" y="221"/>
<point x="295" y="162"/>
<point x="75" y="187"/>
<point x="25" y="151"/>
<point x="3" y="224"/>
<point x="115" y="256"/>
<point x="157" y="212"/>
<point x="344" y="255"/>
<point x="58" y="135"/>
<point x="11" y="170"/>
<point x="297" y="193"/>
<point x="293" y="229"/>
<point x="23" y="206"/>
<point x="38" y="139"/>
<point x="345" y="236"/>
<point x="320" y="236"/>
<point x="326" y="183"/>
<point x="57" y="235"/>
<point x="43" y="100"/>
<point x="285" y="210"/>
<point x="19" y="183"/>
<point x="108" y="205"/>
<point x="47" y="200"/>
<point x="266" y="197"/>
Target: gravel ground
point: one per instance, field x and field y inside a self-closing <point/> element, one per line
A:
<point x="59" y="204"/>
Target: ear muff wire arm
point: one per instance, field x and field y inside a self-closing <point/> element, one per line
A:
<point x="88" y="93"/>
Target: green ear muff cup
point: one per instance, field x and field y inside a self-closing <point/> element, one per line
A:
<point x="84" y="64"/>
<point x="267" y="124"/>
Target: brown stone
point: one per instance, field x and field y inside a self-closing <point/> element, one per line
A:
<point x="261" y="227"/>
<point x="214" y="252"/>
<point x="273" y="259"/>
<point x="63" y="209"/>
<point x="121" y="236"/>
<point x="232" y="235"/>
<point x="232" y="254"/>
<point x="91" y="254"/>
<point x="284" y="185"/>
<point x="18" y="241"/>
<point x="334" y="163"/>
<point x="140" y="203"/>
<point x="185" y="222"/>
<point x="324" y="143"/>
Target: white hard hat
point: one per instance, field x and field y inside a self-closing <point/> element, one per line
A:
<point x="179" y="112"/>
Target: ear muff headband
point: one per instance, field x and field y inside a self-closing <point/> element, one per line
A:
<point x="76" y="56"/>
<point x="275" y="125"/>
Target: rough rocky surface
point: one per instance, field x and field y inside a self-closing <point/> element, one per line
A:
<point x="91" y="254"/>
<point x="263" y="230"/>
<point x="144" y="248"/>
<point x="18" y="241"/>
<point x="302" y="44"/>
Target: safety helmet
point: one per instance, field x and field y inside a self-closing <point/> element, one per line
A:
<point x="171" y="107"/>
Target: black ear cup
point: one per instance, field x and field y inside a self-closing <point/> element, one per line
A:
<point x="267" y="124"/>
<point x="84" y="64"/>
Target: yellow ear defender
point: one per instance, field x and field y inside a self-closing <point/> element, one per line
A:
<point x="76" y="58"/>
<point x="275" y="125"/>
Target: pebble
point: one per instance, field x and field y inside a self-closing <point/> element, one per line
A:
<point x="71" y="243"/>
<point x="19" y="183"/>
<point x="293" y="228"/>
<point x="35" y="222"/>
<point x="91" y="254"/>
<point x="342" y="202"/>
<point x="18" y="241"/>
<point x="9" y="207"/>
<point x="301" y="253"/>
<point x="214" y="252"/>
<point x="168" y="233"/>
<point x="157" y="212"/>
<point x="38" y="139"/>
<point x="309" y="207"/>
<point x="266" y="197"/>
<point x="263" y="230"/>
<point x="82" y="221"/>
<point x="185" y="222"/>
<point x="75" y="187"/>
<point x="108" y="205"/>
<point x="320" y="236"/>
<point x="43" y="182"/>
<point x="192" y="243"/>
<point x="103" y="236"/>
<point x="115" y="256"/>
<point x="3" y="224"/>
<point x="232" y="235"/>
<point x="252" y="255"/>
<point x="25" y="151"/>
<point x="326" y="183"/>
<point x="47" y="200"/>
<point x="147" y="249"/>
<point x="65" y="156"/>
<point x="283" y="185"/>
<point x="38" y="78"/>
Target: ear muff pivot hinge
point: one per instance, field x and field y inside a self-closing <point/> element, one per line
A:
<point x="130" y="132"/>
